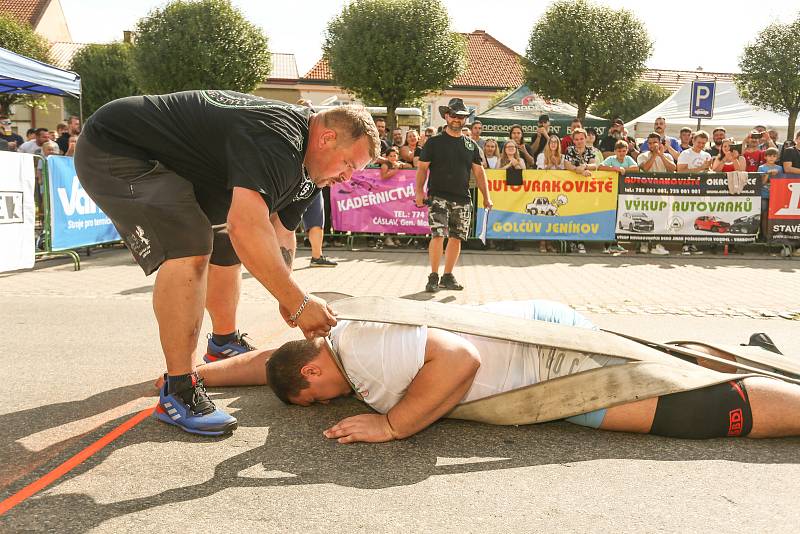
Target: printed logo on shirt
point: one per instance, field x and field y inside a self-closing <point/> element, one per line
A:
<point x="138" y="243"/>
<point x="360" y="388"/>
<point x="234" y="100"/>
<point x="307" y="188"/>
<point x="468" y="143"/>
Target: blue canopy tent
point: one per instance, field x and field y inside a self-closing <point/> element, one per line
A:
<point x="20" y="75"/>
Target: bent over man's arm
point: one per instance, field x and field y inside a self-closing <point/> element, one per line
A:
<point x="447" y="374"/>
<point x="257" y="244"/>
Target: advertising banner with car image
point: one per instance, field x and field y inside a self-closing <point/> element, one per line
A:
<point x="559" y="205"/>
<point x="367" y="203"/>
<point x="784" y="209"/>
<point x="703" y="207"/>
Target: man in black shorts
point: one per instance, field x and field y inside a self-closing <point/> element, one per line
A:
<point x="181" y="199"/>
<point x="450" y="156"/>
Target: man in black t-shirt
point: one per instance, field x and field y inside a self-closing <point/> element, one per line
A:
<point x="615" y="133"/>
<point x="181" y="199"/>
<point x="540" y="138"/>
<point x="450" y="157"/>
<point x="73" y="128"/>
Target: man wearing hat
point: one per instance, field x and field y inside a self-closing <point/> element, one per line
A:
<point x="450" y="157"/>
<point x="540" y="138"/>
<point x="615" y="133"/>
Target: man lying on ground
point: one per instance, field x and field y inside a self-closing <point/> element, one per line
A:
<point x="415" y="375"/>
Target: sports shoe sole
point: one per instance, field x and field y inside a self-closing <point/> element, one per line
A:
<point x="319" y="265"/>
<point x="164" y="418"/>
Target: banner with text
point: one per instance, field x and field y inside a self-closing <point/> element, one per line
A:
<point x="688" y="207"/>
<point x="784" y="208"/>
<point x="75" y="219"/>
<point x="17" y="211"/>
<point x="551" y="205"/>
<point x="366" y="203"/>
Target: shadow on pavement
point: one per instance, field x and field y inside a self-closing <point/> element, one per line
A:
<point x="295" y="446"/>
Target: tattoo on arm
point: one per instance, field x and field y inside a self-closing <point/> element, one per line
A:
<point x="288" y="256"/>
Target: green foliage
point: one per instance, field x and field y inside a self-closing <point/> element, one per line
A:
<point x="770" y="71"/>
<point x="393" y="51"/>
<point x="21" y="39"/>
<point x="106" y="74"/>
<point x="630" y="102"/>
<point x="204" y="44"/>
<point x="497" y="98"/>
<point x="581" y="52"/>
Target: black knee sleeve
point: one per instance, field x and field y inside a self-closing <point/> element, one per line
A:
<point x="223" y="253"/>
<point x="711" y="412"/>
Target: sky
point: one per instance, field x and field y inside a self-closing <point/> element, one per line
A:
<point x="687" y="34"/>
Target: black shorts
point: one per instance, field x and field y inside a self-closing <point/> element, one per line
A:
<point x="155" y="210"/>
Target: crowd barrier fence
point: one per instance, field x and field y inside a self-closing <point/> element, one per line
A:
<point x="567" y="206"/>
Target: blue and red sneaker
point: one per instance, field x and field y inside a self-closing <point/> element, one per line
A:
<point x="233" y="348"/>
<point x="192" y="410"/>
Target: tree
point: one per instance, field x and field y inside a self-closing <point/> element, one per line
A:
<point x="498" y="97"/>
<point x="21" y="39"/>
<point x="770" y="71"/>
<point x="206" y="44"/>
<point x="580" y="52"/>
<point x="631" y="102"/>
<point x="393" y="51"/>
<point x="106" y="72"/>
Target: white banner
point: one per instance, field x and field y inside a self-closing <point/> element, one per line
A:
<point x="17" y="211"/>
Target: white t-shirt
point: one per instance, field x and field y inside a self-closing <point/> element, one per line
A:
<point x="381" y="359"/>
<point x="540" y="162"/>
<point x="30" y="147"/>
<point x="694" y="160"/>
<point x="658" y="165"/>
<point x="492" y="162"/>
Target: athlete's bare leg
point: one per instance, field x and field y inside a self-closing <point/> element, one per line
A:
<point x="222" y="298"/>
<point x="315" y="236"/>
<point x="775" y="406"/>
<point x="435" y="252"/>
<point x="451" y="254"/>
<point x="178" y="298"/>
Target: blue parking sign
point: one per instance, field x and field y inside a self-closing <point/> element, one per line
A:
<point x="702" y="101"/>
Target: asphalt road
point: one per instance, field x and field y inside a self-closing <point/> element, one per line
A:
<point x="80" y="353"/>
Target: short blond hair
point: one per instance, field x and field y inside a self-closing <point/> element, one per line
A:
<point x="356" y="122"/>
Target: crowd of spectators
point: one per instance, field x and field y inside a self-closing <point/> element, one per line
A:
<point x="64" y="137"/>
<point x="582" y="151"/>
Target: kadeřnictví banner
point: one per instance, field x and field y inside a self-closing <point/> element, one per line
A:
<point x="367" y="203"/>
<point x="784" y="208"/>
<point x="689" y="207"/>
<point x="551" y="205"/>
<point x="17" y="211"/>
<point x="76" y="221"/>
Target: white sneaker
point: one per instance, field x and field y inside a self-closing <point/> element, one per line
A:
<point x="389" y="242"/>
<point x="581" y="249"/>
<point x="643" y="248"/>
<point x="685" y="250"/>
<point x="659" y="249"/>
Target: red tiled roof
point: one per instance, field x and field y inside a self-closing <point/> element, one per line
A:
<point x="674" y="79"/>
<point x="29" y="11"/>
<point x="490" y="63"/>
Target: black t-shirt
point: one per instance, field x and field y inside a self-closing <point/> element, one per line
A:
<point x="384" y="147"/>
<point x="12" y="137"/>
<point x="608" y="143"/>
<point x="538" y="144"/>
<point x="217" y="140"/>
<point x="791" y="154"/>
<point x="63" y="142"/>
<point x="714" y="151"/>
<point x="451" y="159"/>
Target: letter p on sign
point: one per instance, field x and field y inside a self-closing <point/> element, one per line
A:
<point x="702" y="101"/>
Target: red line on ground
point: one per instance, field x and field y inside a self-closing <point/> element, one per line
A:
<point x="47" y="479"/>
